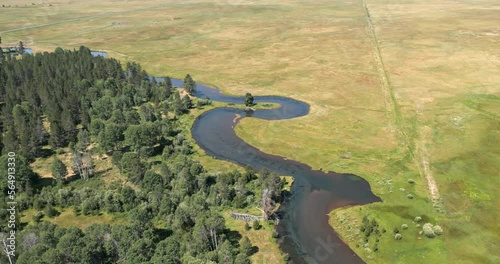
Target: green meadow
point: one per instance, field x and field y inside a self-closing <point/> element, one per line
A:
<point x="400" y="91"/>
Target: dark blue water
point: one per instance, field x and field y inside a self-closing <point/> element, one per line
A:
<point x="308" y="238"/>
<point x="305" y="233"/>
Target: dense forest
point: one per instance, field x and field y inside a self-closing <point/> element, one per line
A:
<point x="73" y="102"/>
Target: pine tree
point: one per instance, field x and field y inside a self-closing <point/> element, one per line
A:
<point x="245" y="246"/>
<point x="20" y="48"/>
<point x="186" y="101"/>
<point x="189" y="85"/>
<point x="2" y="56"/>
<point x="84" y="112"/>
<point x="59" y="170"/>
<point x="56" y="135"/>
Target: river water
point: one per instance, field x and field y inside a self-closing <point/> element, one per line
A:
<point x="306" y="235"/>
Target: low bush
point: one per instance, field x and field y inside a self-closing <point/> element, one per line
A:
<point x="37" y="218"/>
<point x="428" y="231"/>
<point x="256" y="225"/>
<point x="50" y="211"/>
<point x="437" y="230"/>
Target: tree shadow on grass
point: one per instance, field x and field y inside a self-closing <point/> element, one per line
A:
<point x="254" y="250"/>
<point x="233" y="237"/>
<point x="162" y="233"/>
<point x="157" y="150"/>
<point x="72" y="178"/>
<point x="46" y="152"/>
<point x="44" y="182"/>
<point x="101" y="173"/>
<point x="156" y="162"/>
<point x="22" y="225"/>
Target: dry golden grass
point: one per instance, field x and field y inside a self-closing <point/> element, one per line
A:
<point x="268" y="249"/>
<point x="67" y="218"/>
<point x="439" y="75"/>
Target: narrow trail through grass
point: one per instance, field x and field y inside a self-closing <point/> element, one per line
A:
<point x="420" y="155"/>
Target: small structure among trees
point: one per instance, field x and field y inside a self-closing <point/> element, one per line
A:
<point x="246" y="217"/>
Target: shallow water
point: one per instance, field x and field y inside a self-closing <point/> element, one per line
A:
<point x="99" y="53"/>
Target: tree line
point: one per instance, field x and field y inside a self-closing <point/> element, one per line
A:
<point x="70" y="101"/>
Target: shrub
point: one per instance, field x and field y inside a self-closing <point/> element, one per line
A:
<point x="38" y="217"/>
<point x="418" y="219"/>
<point x="39" y="203"/>
<point x="365" y="219"/>
<point x="50" y="211"/>
<point x="404" y="226"/>
<point x="398" y="237"/>
<point x="76" y="210"/>
<point x="396" y="230"/>
<point x="437" y="230"/>
<point x="411" y="181"/>
<point x="256" y="225"/>
<point x="275" y="234"/>
<point x="247" y="226"/>
<point x="409" y="196"/>
<point x="428" y="231"/>
<point x="60" y="151"/>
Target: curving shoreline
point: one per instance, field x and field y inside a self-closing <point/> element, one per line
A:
<point x="306" y="234"/>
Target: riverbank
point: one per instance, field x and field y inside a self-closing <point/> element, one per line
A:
<point x="440" y="58"/>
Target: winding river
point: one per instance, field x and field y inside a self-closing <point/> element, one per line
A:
<point x="307" y="236"/>
<point x="305" y="233"/>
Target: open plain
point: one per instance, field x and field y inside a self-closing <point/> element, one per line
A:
<point x="405" y="94"/>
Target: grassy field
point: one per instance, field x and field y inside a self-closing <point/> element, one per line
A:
<point x="268" y="251"/>
<point x="67" y="218"/>
<point x="398" y="90"/>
